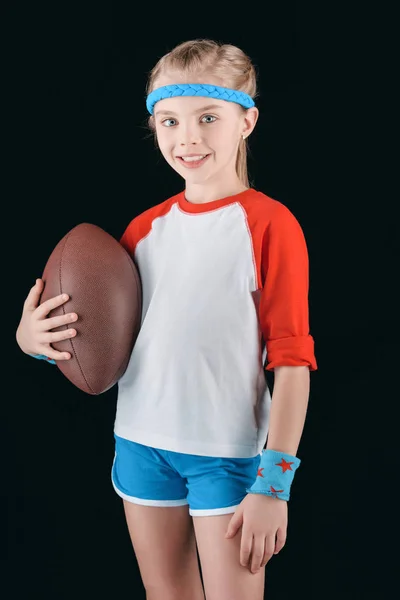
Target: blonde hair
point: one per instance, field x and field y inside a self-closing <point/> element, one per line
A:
<point x="202" y="57"/>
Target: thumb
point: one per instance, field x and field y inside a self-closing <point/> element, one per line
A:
<point x="32" y="300"/>
<point x="234" y="524"/>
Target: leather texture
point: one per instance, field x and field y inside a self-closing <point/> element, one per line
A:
<point x="104" y="286"/>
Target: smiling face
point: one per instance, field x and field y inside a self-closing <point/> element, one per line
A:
<point x="199" y="136"/>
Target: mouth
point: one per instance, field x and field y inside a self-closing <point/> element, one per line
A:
<point x="193" y="161"/>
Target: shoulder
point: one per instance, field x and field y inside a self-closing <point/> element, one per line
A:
<point x="267" y="210"/>
<point x="158" y="210"/>
<point x="141" y="225"/>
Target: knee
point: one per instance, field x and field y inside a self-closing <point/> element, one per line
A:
<point x="175" y="592"/>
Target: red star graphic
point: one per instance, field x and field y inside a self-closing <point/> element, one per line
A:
<point x="285" y="465"/>
<point x="259" y="474"/>
<point x="275" y="492"/>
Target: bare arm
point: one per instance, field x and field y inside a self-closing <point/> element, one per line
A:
<point x="288" y="409"/>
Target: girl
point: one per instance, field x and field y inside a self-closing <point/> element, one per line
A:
<point x="224" y="271"/>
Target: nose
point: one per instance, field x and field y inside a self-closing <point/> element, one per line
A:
<point x="190" y="134"/>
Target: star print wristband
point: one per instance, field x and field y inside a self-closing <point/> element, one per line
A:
<point x="43" y="357"/>
<point x="275" y="474"/>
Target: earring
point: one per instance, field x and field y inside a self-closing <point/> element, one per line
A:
<point x="243" y="137"/>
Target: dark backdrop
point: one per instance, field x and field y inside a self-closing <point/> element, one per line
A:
<point x="79" y="150"/>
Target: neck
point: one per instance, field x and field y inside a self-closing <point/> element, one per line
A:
<point x="210" y="191"/>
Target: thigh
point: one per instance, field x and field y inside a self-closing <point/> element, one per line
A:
<point x="224" y="577"/>
<point x="159" y="524"/>
<point x="165" y="548"/>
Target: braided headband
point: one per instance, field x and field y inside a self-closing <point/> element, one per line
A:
<point x="198" y="89"/>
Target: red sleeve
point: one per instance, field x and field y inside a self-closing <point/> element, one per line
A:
<point x="283" y="309"/>
<point x="129" y="237"/>
<point x="140" y="226"/>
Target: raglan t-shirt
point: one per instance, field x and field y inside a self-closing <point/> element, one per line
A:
<point x="225" y="296"/>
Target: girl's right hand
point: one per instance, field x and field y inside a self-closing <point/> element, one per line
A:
<point x="34" y="335"/>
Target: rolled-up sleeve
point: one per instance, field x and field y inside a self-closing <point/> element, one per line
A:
<point x="283" y="309"/>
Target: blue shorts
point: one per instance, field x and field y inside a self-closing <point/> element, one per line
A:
<point x="154" y="477"/>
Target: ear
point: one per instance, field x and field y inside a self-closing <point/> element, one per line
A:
<point x="250" y="120"/>
<point x="151" y="123"/>
<point x="152" y="126"/>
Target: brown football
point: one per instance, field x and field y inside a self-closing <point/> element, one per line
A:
<point x="105" y="291"/>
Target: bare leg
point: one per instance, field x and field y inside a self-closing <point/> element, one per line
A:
<point x="165" y="547"/>
<point x="223" y="575"/>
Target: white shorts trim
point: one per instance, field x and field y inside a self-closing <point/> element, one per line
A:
<point x="210" y="512"/>
<point x="148" y="502"/>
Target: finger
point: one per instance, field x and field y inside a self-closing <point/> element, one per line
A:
<point x="54" y="354"/>
<point x="245" y="548"/>
<point x="50" y="304"/>
<point x="268" y="550"/>
<point x="32" y="299"/>
<point x="234" y="524"/>
<point x="257" y="554"/>
<point x="280" y="540"/>
<point x="57" y="336"/>
<point x="53" y="322"/>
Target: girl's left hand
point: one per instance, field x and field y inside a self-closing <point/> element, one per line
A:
<point x="264" y="518"/>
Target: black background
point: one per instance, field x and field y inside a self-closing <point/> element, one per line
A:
<point x="79" y="151"/>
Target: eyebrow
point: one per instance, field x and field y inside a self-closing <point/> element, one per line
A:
<point x="204" y="108"/>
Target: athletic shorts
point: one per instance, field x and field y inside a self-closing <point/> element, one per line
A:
<point x="153" y="477"/>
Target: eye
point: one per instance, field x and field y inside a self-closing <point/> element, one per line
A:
<point x="210" y="119"/>
<point x="167" y="122"/>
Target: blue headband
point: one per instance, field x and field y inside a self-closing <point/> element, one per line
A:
<point x="198" y="89"/>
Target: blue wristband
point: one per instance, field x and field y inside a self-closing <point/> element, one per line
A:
<point x="275" y="474"/>
<point x="43" y="357"/>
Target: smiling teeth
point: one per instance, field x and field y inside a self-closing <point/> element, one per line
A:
<point x="192" y="158"/>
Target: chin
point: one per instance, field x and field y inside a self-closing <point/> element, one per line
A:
<point x="197" y="177"/>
